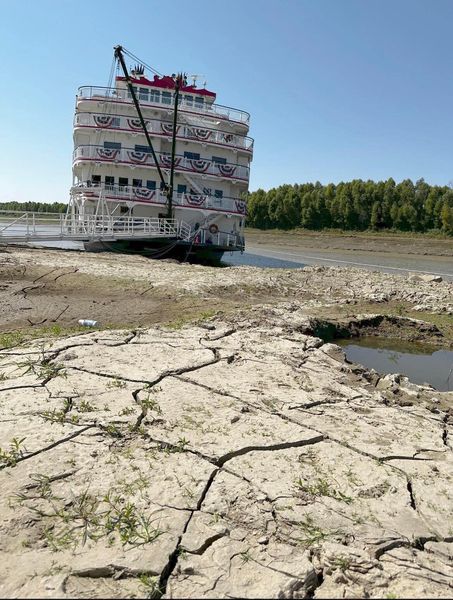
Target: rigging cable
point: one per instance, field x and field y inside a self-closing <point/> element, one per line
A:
<point x="138" y="60"/>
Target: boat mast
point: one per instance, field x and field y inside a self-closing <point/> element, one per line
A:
<point x="179" y="80"/>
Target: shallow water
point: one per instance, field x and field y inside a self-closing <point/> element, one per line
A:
<point x="418" y="362"/>
<point x="235" y="259"/>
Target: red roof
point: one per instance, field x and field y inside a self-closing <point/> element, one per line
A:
<point x="167" y="83"/>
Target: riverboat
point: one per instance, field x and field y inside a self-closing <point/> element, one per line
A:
<point x="154" y="148"/>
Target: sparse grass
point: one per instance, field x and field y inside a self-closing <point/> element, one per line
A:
<point x="321" y="487"/>
<point x="116" y="383"/>
<point x="11" y="339"/>
<point x="86" y="406"/>
<point x="312" y="533"/>
<point x="150" y="586"/>
<point x="126" y="411"/>
<point x="88" y="517"/>
<point x="9" y="457"/>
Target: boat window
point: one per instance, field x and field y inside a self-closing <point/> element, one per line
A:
<point x="136" y="183"/>
<point x="109" y="180"/>
<point x="219" y="160"/>
<point x="154" y="95"/>
<point x="182" y="189"/>
<point x="129" y="95"/>
<point x="218" y="193"/>
<point x="166" y="98"/>
<point x="143" y="94"/>
<point x="116" y="122"/>
<point x="151" y="185"/>
<point x="207" y="191"/>
<point x="122" y="181"/>
<point x="96" y="179"/>
<point x="139" y="148"/>
<point x="112" y="145"/>
<point x="123" y="210"/>
<point x="188" y="100"/>
<point x="199" y="101"/>
<point x="192" y="155"/>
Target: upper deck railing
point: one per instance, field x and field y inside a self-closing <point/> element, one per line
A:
<point x="163" y="129"/>
<point x="131" y="156"/>
<point x="164" y="101"/>
<point x="147" y="196"/>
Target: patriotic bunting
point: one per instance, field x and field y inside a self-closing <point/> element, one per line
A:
<point x="202" y="134"/>
<point x="103" y="121"/>
<point x="194" y="200"/>
<point x="107" y="153"/>
<point x="226" y="170"/>
<point x="167" y="128"/>
<point x="241" y="207"/>
<point x="201" y="166"/>
<point x="165" y="159"/>
<point x="144" y="194"/>
<point x="138" y="157"/>
<point x="135" y="124"/>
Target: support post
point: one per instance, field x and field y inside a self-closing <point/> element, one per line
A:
<point x="180" y="80"/>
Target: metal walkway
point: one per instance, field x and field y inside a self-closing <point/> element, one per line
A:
<point x="31" y="227"/>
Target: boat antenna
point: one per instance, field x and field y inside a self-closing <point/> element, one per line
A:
<point x="119" y="56"/>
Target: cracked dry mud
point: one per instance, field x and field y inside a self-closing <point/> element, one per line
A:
<point x="237" y="458"/>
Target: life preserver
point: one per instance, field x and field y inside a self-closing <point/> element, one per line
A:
<point x="213" y="229"/>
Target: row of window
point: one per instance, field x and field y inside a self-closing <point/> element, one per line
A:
<point x="147" y="95"/>
<point x="151" y="185"/>
<point x="140" y="148"/>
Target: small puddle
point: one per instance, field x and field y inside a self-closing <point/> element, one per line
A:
<point x="417" y="361"/>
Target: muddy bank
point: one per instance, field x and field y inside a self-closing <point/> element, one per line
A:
<point x="43" y="288"/>
<point x="421" y="245"/>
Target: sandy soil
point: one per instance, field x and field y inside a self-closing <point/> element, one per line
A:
<point x="385" y="242"/>
<point x="47" y="288"/>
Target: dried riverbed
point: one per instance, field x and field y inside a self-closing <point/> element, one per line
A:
<point x="214" y="445"/>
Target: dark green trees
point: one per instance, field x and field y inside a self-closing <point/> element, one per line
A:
<point x="354" y="205"/>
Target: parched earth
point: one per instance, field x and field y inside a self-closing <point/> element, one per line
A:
<point x="238" y="456"/>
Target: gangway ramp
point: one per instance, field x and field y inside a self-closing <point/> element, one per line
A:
<point x="23" y="227"/>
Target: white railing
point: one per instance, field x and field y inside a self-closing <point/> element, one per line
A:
<point x="164" y="129"/>
<point x="28" y="226"/>
<point x="163" y="101"/>
<point x="232" y="241"/>
<point x="31" y="226"/>
<point x="147" y="196"/>
<point x="130" y="156"/>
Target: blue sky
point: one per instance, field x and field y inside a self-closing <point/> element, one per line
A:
<point x="337" y="89"/>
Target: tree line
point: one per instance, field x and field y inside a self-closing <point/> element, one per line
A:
<point x="54" y="207"/>
<point x="355" y="205"/>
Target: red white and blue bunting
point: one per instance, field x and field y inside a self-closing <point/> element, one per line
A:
<point x="226" y="170"/>
<point x="241" y="207"/>
<point x="165" y="159"/>
<point x="107" y="153"/>
<point x="144" y="194"/>
<point x="194" y="199"/>
<point x="135" y="124"/>
<point x="138" y="157"/>
<point x="202" y="134"/>
<point x="200" y="166"/>
<point x="103" y="121"/>
<point x="167" y="128"/>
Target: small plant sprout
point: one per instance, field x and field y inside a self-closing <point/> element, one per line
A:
<point x="11" y="456"/>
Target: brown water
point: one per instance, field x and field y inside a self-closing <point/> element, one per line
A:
<point x="419" y="362"/>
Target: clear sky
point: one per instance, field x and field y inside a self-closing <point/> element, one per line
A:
<point x="337" y="89"/>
